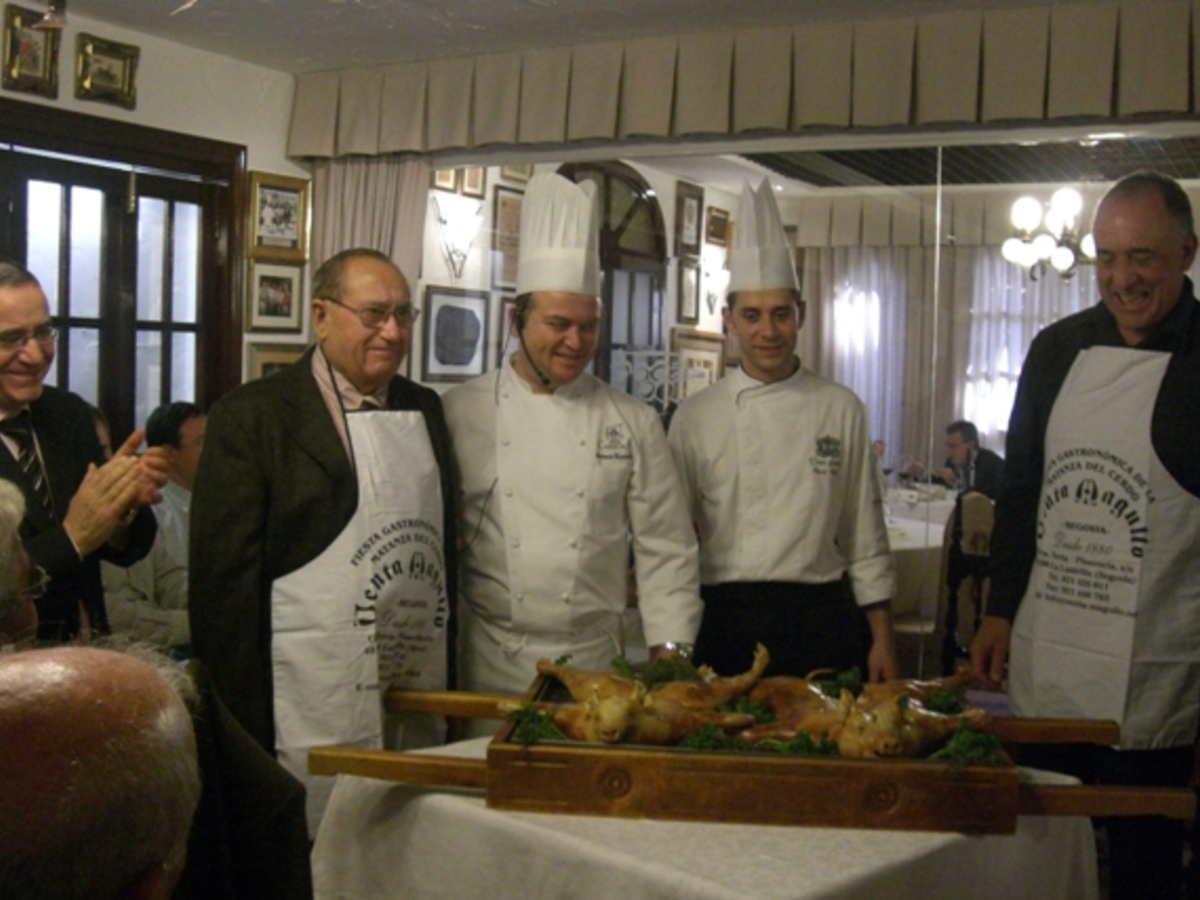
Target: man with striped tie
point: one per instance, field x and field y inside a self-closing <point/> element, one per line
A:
<point x="79" y="508"/>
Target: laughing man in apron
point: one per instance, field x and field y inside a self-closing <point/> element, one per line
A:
<point x="560" y="474"/>
<point x="323" y="533"/>
<point x="1096" y="569"/>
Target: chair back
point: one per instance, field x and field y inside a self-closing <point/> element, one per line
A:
<point x="978" y="517"/>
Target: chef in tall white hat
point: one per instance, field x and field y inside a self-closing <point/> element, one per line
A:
<point x="563" y="476"/>
<point x="780" y="480"/>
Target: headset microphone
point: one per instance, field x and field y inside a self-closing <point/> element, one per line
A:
<point x="519" y="321"/>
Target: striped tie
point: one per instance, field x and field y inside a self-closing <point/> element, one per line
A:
<point x="19" y="429"/>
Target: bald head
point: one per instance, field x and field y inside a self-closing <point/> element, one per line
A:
<point x="98" y="764"/>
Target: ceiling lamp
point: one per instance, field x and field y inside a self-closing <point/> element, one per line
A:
<point x="55" y="18"/>
<point x="1058" y="245"/>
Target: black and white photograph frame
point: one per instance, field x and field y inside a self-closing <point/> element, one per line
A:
<point x="456" y="334"/>
<point x="689" y="218"/>
<point x="474" y="182"/>
<point x="276" y="298"/>
<point x="689" y="292"/>
<point x="279" y="210"/>
<point x="506" y="237"/>
<point x="30" y="55"/>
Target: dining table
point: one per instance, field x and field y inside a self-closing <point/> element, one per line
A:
<point x="381" y="840"/>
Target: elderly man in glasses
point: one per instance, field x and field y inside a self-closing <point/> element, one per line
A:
<point x="79" y="507"/>
<point x="323" y="532"/>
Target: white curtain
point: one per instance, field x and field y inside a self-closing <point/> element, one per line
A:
<point x="857" y="306"/>
<point x="377" y="202"/>
<point x="1007" y="309"/>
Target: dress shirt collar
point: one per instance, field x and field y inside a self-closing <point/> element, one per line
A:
<point x="334" y="386"/>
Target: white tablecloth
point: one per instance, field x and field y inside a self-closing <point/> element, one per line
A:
<point x="380" y="841"/>
<point x="917" y="549"/>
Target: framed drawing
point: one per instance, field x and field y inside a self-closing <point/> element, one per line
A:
<point x="445" y="179"/>
<point x="276" y="298"/>
<point x="30" y="56"/>
<point x="279" y="211"/>
<point x="506" y="237"/>
<point x="716" y="225"/>
<point x="689" y="292"/>
<point x="506" y="345"/>
<point x="701" y="359"/>
<point x="519" y="174"/>
<point x="474" y="182"/>
<point x="689" y="210"/>
<point x="267" y="359"/>
<point x="106" y="71"/>
<point x="456" y="334"/>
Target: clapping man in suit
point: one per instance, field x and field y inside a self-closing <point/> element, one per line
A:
<point x="79" y="507"/>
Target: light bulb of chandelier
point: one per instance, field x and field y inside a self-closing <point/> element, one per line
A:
<point x="1043" y="246"/>
<point x="1068" y="202"/>
<point x="1087" y="246"/>
<point x="1026" y="214"/>
<point x="1055" y="222"/>
<point x="1063" y="259"/>
<point x="1014" y="250"/>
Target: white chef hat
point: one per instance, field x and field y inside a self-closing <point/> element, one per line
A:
<point x="560" y="237"/>
<point x="761" y="258"/>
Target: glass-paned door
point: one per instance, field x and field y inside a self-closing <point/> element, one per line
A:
<point x="120" y="258"/>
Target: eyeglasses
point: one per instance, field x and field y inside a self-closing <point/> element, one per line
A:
<point x="39" y="583"/>
<point x="15" y="340"/>
<point x="374" y="316"/>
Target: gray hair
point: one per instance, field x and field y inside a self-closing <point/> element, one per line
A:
<point x="12" y="562"/>
<point x="13" y="275"/>
<point x="115" y="799"/>
<point x="1147" y="181"/>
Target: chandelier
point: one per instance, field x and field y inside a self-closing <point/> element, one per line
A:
<point x="1058" y="245"/>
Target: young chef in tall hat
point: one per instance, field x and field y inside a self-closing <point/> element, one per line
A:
<point x="779" y="476"/>
<point x="562" y="474"/>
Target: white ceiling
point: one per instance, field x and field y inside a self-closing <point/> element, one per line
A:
<point x="312" y="35"/>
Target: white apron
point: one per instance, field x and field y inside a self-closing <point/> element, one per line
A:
<point x="1109" y="627"/>
<point x="371" y="610"/>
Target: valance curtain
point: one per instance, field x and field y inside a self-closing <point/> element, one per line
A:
<point x="1046" y="63"/>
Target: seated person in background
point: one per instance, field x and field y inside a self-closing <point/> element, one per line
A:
<point x="100" y="778"/>
<point x="18" y="615"/>
<point x="148" y="600"/>
<point x="968" y="466"/>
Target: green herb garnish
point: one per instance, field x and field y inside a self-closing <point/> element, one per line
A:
<point x="948" y="701"/>
<point x="709" y="737"/>
<point x="534" y="725"/>
<point x="742" y="704"/>
<point x="850" y="680"/>
<point x="970" y="748"/>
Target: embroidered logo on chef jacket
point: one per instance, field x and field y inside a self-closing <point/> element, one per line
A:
<point x="614" y="442"/>
<point x="828" y="458"/>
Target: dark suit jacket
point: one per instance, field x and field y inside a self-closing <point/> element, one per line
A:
<point x="274" y="489"/>
<point x="989" y="472"/>
<point x="67" y="437"/>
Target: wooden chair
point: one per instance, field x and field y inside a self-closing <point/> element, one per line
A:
<point x="966" y="569"/>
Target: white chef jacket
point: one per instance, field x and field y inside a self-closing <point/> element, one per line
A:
<point x="148" y="599"/>
<point x="780" y="480"/>
<point x="554" y="485"/>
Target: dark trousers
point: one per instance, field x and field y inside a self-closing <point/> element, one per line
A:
<point x="1145" y="852"/>
<point x="803" y="626"/>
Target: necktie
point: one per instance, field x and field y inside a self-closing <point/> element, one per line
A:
<point x="369" y="403"/>
<point x="18" y="427"/>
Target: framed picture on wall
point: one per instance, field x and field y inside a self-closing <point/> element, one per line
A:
<point x="689" y="213"/>
<point x="701" y="359"/>
<point x="716" y="225"/>
<point x="456" y="334"/>
<point x="689" y="292"/>
<point x="445" y="179"/>
<point x="506" y="345"/>
<point x="276" y="298"/>
<point x="267" y="359"/>
<point x="506" y="237"/>
<point x="519" y="174"/>
<point x="279" y="212"/>
<point x="474" y="181"/>
<point x="106" y="71"/>
<point x="30" y="55"/>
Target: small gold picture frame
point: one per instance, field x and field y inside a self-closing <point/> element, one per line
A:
<point x="279" y="211"/>
<point x="30" y="55"/>
<point x="106" y="71"/>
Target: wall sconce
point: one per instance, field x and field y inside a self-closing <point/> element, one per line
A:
<point x="459" y="219"/>
<point x="1059" y="244"/>
<point x="55" y="18"/>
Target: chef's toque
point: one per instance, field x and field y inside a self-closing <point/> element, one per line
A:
<point x="560" y="237"/>
<point x="761" y="258"/>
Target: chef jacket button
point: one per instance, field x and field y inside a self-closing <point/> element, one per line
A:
<point x="508" y="492"/>
<point x="583" y="442"/>
<point x="579" y="493"/>
<point x="505" y="395"/>
<point x="574" y="544"/>
<point x="504" y="442"/>
<point x="566" y="598"/>
<point x="519" y="597"/>
<point x="516" y="543"/>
